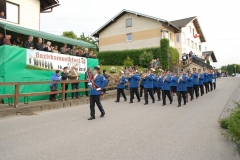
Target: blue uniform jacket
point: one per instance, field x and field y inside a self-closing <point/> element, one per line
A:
<point x="173" y="82"/>
<point x="205" y="80"/>
<point x="123" y="81"/>
<point x="155" y="81"/>
<point x="166" y="83"/>
<point x="195" y="78"/>
<point x="55" y="77"/>
<point x="189" y="82"/>
<point x="101" y="82"/>
<point x="210" y="77"/>
<point x="149" y="81"/>
<point x="159" y="82"/>
<point x="142" y="83"/>
<point x="134" y="79"/>
<point x="201" y="78"/>
<point x="181" y="86"/>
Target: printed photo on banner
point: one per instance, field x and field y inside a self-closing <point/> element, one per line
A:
<point x="54" y="61"/>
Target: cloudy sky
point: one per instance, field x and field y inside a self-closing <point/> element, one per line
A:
<point x="219" y="19"/>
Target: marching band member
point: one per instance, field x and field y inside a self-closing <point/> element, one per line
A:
<point x="95" y="93"/>
<point x="173" y="84"/>
<point x="200" y="83"/>
<point x="121" y="80"/>
<point x="155" y="77"/>
<point x="159" y="84"/>
<point x="166" y="80"/>
<point x="142" y="81"/>
<point x="189" y="85"/>
<point x="134" y="79"/>
<point x="210" y="79"/>
<point x="148" y="86"/>
<point x="205" y="80"/>
<point x="195" y="83"/>
<point x="214" y="78"/>
<point x="181" y="88"/>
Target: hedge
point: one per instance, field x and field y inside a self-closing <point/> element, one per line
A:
<point x="118" y="57"/>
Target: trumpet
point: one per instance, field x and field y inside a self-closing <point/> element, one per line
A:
<point x="119" y="79"/>
<point x="165" y="77"/>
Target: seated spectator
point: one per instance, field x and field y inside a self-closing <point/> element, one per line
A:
<point x="85" y="54"/>
<point x="2" y="15"/>
<point x="91" y="55"/>
<point x="55" y="49"/>
<point x="64" y="49"/>
<point x="190" y="54"/>
<point x="29" y="43"/>
<point x="79" y="52"/>
<point x="1" y="39"/>
<point x="7" y="39"/>
<point x="72" y="51"/>
<point x="48" y="47"/>
<point x="39" y="45"/>
<point x="18" y="42"/>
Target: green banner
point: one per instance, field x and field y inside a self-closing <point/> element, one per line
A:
<point x="13" y="69"/>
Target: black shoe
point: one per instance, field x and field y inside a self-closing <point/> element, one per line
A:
<point x="72" y="97"/>
<point x="171" y="102"/>
<point x="153" y="101"/>
<point x="131" y="102"/>
<point x="91" y="118"/>
<point x="191" y="99"/>
<point x="116" y="101"/>
<point x="159" y="100"/>
<point x="179" y="105"/>
<point x="145" y="103"/>
<point x="66" y="99"/>
<point x="125" y="99"/>
<point x="184" y="103"/>
<point x="102" y="115"/>
<point x="139" y="100"/>
<point x="163" y="104"/>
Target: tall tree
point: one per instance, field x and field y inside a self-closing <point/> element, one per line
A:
<point x="88" y="39"/>
<point x="69" y="34"/>
<point x="164" y="49"/>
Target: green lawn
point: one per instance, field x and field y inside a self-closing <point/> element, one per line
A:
<point x="118" y="68"/>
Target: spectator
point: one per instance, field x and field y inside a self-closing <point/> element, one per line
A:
<point x="190" y="54"/>
<point x="55" y="49"/>
<point x="18" y="42"/>
<point x="91" y="55"/>
<point x="85" y="54"/>
<point x="65" y="77"/>
<point x="136" y="67"/>
<point x="2" y="15"/>
<point x="79" y="52"/>
<point x="106" y="76"/>
<point x="6" y="40"/>
<point x="53" y="87"/>
<point x="39" y="45"/>
<point x="64" y="49"/>
<point x="1" y="39"/>
<point x="48" y="47"/>
<point x="155" y="63"/>
<point x="29" y="43"/>
<point x="73" y="74"/>
<point x="88" y="77"/>
<point x="72" y="51"/>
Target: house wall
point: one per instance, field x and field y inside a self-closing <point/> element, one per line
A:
<point x="29" y="13"/>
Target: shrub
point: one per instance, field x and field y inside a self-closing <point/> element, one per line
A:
<point x="112" y="70"/>
<point x="224" y="123"/>
<point x="128" y="62"/>
<point x="173" y="56"/>
<point x="118" y="57"/>
<point x="164" y="53"/>
<point x="145" y="58"/>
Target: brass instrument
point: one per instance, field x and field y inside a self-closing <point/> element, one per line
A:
<point x="165" y="77"/>
<point x="180" y="78"/>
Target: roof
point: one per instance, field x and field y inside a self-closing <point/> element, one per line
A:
<point x="183" y="22"/>
<point x="45" y="35"/>
<point x="47" y="4"/>
<point x="210" y="53"/>
<point x="96" y="33"/>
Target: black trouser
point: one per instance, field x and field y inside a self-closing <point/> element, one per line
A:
<point x="196" y="90"/>
<point x="132" y="91"/>
<point x="181" y="94"/>
<point x="150" y="91"/>
<point x="210" y="84"/>
<point x="201" y="89"/>
<point x="206" y="87"/>
<point x="120" y="90"/>
<point x="164" y="94"/>
<point x="52" y="96"/>
<point x="154" y="90"/>
<point x="214" y="85"/>
<point x="190" y="91"/>
<point x="86" y="87"/>
<point x="95" y="99"/>
<point x="141" y="90"/>
<point x="66" y="88"/>
<point x="75" y="86"/>
<point x="159" y="93"/>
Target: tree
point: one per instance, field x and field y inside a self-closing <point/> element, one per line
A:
<point x="128" y="62"/>
<point x="88" y="39"/>
<point x="164" y="53"/>
<point x="173" y="56"/>
<point x="145" y="58"/>
<point x="69" y="34"/>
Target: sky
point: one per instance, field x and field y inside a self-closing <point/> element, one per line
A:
<point x="219" y="20"/>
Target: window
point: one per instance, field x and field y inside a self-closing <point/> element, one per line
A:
<point x="129" y="22"/>
<point x="188" y="42"/>
<point x="170" y="36"/>
<point x="129" y="37"/>
<point x="177" y="37"/>
<point x="192" y="45"/>
<point x="184" y="38"/>
<point x="196" y="46"/>
<point x="199" y="47"/>
<point x="10" y="11"/>
<point x="190" y="29"/>
<point x="193" y="32"/>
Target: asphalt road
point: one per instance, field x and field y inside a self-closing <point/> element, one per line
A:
<point x="128" y="131"/>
